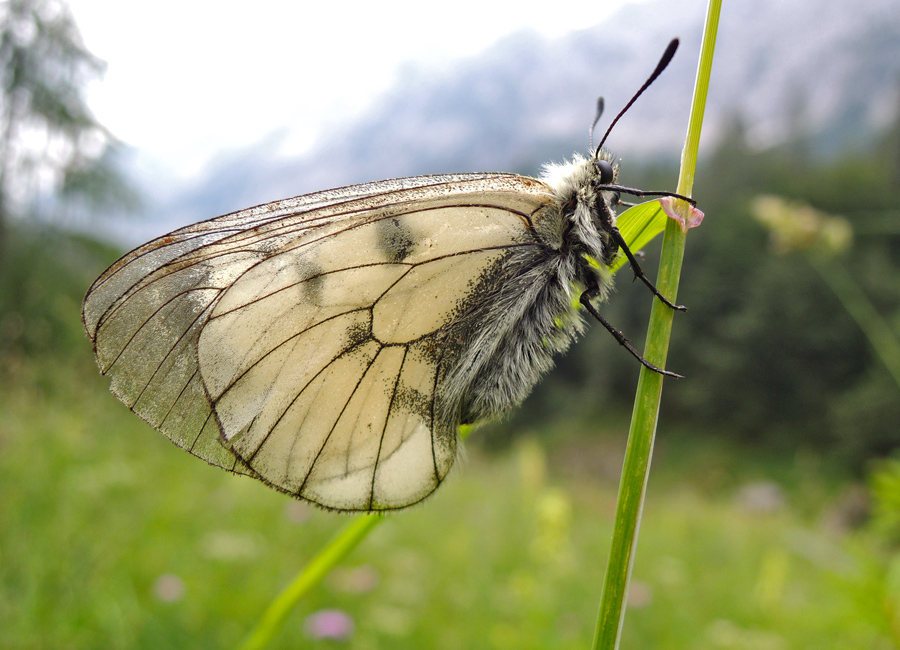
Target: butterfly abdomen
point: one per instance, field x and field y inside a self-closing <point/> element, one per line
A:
<point x="509" y="336"/>
<point x="506" y="343"/>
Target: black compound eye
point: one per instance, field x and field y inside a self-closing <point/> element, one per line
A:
<point x="606" y="171"/>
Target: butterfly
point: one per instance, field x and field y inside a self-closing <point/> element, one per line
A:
<point x="331" y="344"/>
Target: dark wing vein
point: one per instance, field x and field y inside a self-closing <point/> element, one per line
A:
<point x="300" y="392"/>
<point x="175" y="401"/>
<point x="336" y="315"/>
<point x="437" y="376"/>
<point x="387" y="419"/>
<point x="197" y="437"/>
<point x="150" y="318"/>
<point x="338" y="419"/>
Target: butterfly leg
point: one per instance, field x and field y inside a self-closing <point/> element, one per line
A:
<point x="639" y="272"/>
<point x="586" y="301"/>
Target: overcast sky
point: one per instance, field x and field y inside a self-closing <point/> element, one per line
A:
<point x="188" y="78"/>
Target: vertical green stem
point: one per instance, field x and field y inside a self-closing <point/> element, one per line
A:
<point x="644" y="417"/>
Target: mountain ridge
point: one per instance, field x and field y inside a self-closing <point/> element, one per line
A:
<point x="827" y="72"/>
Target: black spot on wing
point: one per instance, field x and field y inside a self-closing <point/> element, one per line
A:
<point x="395" y="239"/>
<point x="408" y="398"/>
<point x="313" y="282"/>
<point x="359" y="334"/>
<point x="411" y="400"/>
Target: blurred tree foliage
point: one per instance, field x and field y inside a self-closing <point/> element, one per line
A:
<point x="49" y="140"/>
<point x="43" y="278"/>
<point x="53" y="154"/>
<point x="770" y="354"/>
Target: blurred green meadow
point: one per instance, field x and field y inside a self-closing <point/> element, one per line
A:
<point x="111" y="537"/>
<point x="773" y="511"/>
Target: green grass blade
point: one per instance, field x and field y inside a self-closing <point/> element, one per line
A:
<point x="639" y="225"/>
<point x="330" y="556"/>
<point x="884" y="341"/>
<point x="636" y="467"/>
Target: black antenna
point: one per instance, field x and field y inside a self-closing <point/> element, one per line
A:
<point x="663" y="62"/>
<point x="594" y="123"/>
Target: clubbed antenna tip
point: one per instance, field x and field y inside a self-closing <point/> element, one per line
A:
<point x="663" y="62"/>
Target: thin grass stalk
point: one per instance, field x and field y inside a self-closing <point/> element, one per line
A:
<point x="636" y="467"/>
<point x="884" y="341"/>
<point x="329" y="557"/>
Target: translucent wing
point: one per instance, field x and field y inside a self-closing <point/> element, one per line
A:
<point x="295" y="341"/>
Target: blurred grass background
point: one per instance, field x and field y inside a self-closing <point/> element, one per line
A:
<point x="111" y="537"/>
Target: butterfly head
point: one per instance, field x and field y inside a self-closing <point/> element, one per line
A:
<point x="601" y="201"/>
<point x="583" y="213"/>
<point x="605" y="171"/>
<point x="605" y="174"/>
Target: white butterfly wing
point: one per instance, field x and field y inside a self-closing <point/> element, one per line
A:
<point x="145" y="313"/>
<point x="303" y="327"/>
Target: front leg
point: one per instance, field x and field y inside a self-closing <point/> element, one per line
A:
<point x="638" y="271"/>
<point x="586" y="302"/>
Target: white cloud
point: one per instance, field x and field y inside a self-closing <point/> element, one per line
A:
<point x="187" y="79"/>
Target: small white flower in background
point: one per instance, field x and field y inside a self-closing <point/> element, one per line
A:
<point x="358" y="580"/>
<point x="329" y="624"/>
<point x="297" y="512"/>
<point x="168" y="588"/>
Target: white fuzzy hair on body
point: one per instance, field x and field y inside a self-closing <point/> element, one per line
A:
<point x="530" y="311"/>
